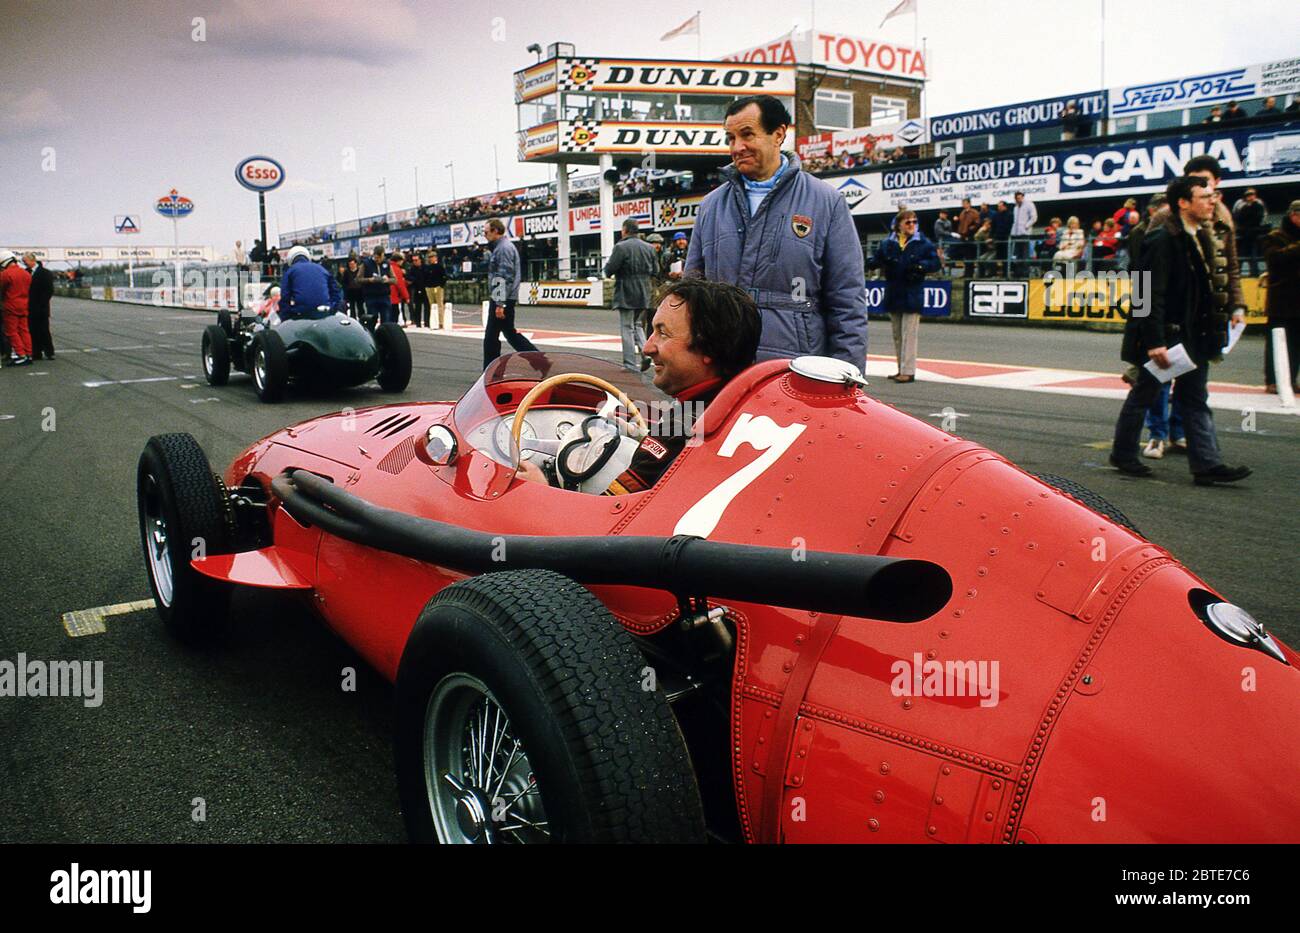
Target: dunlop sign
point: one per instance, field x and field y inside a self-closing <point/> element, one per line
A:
<point x="579" y="294"/>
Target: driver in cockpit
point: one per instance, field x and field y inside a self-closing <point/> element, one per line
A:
<point x="703" y="333"/>
<point x="306" y="287"/>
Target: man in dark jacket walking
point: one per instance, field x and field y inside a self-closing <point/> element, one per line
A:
<point x="1180" y="309"/>
<point x="632" y="264"/>
<point x="503" y="289"/>
<point x="906" y="258"/>
<point x="1282" y="260"/>
<point x="38" y="307"/>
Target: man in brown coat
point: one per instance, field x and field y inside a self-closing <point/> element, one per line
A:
<point x="1282" y="260"/>
<point x="968" y="221"/>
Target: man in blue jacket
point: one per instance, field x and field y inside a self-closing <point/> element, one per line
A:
<point x="906" y="258"/>
<point x="786" y="238"/>
<point x="307" y="286"/>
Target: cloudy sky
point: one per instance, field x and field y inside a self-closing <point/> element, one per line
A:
<point x="105" y="106"/>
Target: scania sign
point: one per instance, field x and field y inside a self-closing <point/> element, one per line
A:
<point x="260" y="173"/>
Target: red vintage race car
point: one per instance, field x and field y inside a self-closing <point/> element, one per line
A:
<point x="828" y="621"/>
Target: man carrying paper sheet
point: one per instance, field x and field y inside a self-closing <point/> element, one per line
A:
<point x="1177" y="324"/>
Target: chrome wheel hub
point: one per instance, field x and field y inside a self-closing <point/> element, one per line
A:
<point x="481" y="787"/>
<point x="155" y="542"/>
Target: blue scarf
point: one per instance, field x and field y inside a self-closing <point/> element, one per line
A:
<point x="756" y="191"/>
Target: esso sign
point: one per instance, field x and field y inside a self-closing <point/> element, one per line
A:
<point x="260" y="173"/>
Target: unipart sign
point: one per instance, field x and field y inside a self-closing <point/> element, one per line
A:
<point x="260" y="173"/>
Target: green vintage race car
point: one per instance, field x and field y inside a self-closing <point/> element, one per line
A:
<point x="327" y="352"/>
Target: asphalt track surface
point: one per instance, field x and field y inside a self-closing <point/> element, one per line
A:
<point x="260" y="728"/>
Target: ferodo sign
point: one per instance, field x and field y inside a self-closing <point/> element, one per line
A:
<point x="536" y="226"/>
<point x="260" y="173"/>
<point x="572" y="294"/>
<point x="734" y="79"/>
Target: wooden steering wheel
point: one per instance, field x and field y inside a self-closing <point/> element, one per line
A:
<point x="517" y="426"/>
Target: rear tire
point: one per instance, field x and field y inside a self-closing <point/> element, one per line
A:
<point x="603" y="759"/>
<point x="1085" y="496"/>
<point x="394" y="358"/>
<point x="181" y="508"/>
<point x="269" y="364"/>
<point x="216" y="355"/>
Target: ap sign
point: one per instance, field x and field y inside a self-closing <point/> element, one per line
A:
<point x="259" y="173"/>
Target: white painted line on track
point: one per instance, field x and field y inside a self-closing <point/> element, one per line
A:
<point x="124" y="382"/>
<point x="200" y="401"/>
<point x="91" y="621"/>
<point x="7" y="417"/>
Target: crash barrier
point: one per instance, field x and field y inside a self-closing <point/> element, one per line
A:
<point x="1083" y="298"/>
<point x="936" y="293"/>
<point x="890" y="589"/>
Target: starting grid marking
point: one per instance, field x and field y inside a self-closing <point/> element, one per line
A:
<point x="569" y="340"/>
<point x="84" y="622"/>
<point x="126" y="382"/>
<point x="1223" y="395"/>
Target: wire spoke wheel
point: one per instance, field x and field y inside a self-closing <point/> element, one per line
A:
<point x="156" y="541"/>
<point x="481" y="787"/>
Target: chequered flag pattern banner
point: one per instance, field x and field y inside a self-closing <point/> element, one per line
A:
<point x="581" y="136"/>
<point x="579" y="74"/>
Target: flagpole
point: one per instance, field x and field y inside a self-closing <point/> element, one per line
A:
<point x="1103" y="45"/>
<point x="698" y="38"/>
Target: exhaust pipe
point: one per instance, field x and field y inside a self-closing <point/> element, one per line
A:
<point x="890" y="589"/>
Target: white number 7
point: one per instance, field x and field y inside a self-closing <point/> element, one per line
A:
<point x="761" y="433"/>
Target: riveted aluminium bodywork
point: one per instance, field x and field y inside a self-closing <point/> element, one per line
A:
<point x="1115" y="714"/>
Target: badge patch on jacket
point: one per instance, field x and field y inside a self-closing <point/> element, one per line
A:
<point x="654" y="448"/>
<point x="801" y="225"/>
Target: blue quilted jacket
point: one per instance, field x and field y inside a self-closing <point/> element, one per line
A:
<point x="799" y="256"/>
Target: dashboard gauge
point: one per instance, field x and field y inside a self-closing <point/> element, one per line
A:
<point x="563" y="428"/>
<point x="503" y="439"/>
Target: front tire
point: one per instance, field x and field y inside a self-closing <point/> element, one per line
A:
<point x="1085" y="496"/>
<point x="181" y="509"/>
<point x="394" y="358"/>
<point x="269" y="364"/>
<point x="521" y="717"/>
<point x="216" y="355"/>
